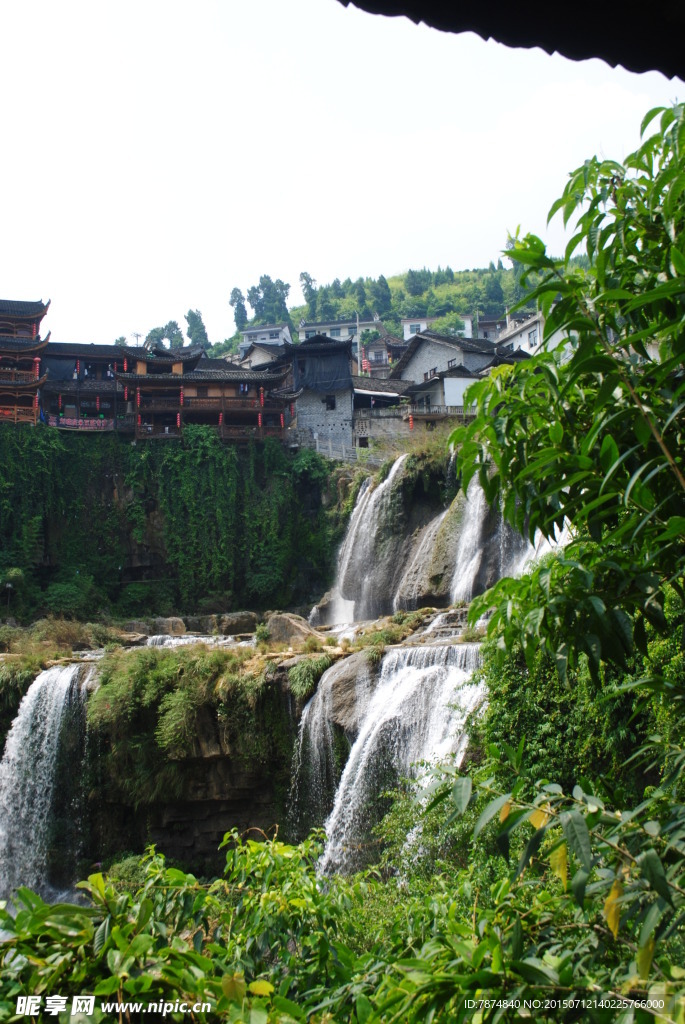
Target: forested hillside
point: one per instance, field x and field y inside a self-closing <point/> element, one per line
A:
<point x="443" y="293"/>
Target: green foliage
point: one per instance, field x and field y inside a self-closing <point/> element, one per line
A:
<point x="146" y="709"/>
<point x="591" y="433"/>
<point x="196" y="330"/>
<point x="171" y="333"/>
<point x="248" y="526"/>
<point x="304" y="676"/>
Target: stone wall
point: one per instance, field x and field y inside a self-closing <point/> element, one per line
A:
<point x="329" y="424"/>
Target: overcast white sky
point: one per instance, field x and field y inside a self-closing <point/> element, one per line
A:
<point x="158" y="153"/>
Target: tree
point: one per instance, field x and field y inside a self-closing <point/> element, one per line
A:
<point x="591" y="434"/>
<point x="120" y="341"/>
<point x="381" y="295"/>
<point x="309" y="291"/>
<point x="196" y="330"/>
<point x="269" y="300"/>
<point x="418" y="281"/>
<point x="451" y="323"/>
<point x="171" y="333"/>
<point x="237" y="300"/>
<point x="493" y="301"/>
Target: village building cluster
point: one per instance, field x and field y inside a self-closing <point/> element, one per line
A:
<point x="341" y="383"/>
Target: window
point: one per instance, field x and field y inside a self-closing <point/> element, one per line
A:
<point x="202" y="392"/>
<point x="414" y="328"/>
<point x="451" y="363"/>
<point x="335" y="332"/>
<point x="533" y="338"/>
<point x="309" y="334"/>
<point x="330" y="403"/>
<point x="351" y="331"/>
<point x="273" y="334"/>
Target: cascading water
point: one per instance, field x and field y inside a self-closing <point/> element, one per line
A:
<point x="358" y="562"/>
<point x="28" y="776"/>
<point x="416" y="714"/>
<point x="470" y="548"/>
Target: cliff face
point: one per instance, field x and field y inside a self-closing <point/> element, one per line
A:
<point x="230" y="777"/>
<point x="98" y="525"/>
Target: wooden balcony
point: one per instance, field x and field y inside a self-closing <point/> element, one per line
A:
<point x="18" y="414"/>
<point x="164" y="403"/>
<point x="226" y="431"/>
<point x="11" y="376"/>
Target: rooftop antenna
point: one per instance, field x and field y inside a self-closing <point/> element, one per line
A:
<point x="137" y="336"/>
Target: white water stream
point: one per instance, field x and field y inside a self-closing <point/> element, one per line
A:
<point x="416" y="714"/>
<point x="27" y="777"/>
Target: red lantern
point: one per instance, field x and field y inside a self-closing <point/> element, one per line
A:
<point x="140" y="420"/>
<point x="125" y="365"/>
<point x="259" y="419"/>
<point x="59" y="403"/>
<point x="181" y="397"/>
<point x="178" y="419"/>
<point x="292" y="409"/>
<point x="36" y="367"/>
<point x="78" y="367"/>
<point x="126" y="394"/>
<point x="33" y="331"/>
<point x="35" y="400"/>
<point x="97" y="402"/>
<point x="282" y="421"/>
<point x="221" y="419"/>
<point x="138" y="397"/>
<point x="411" y="422"/>
<point x="261" y="396"/>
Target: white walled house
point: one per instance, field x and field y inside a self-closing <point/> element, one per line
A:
<point x="339" y="330"/>
<point x="430" y="354"/>
<point x="419" y="324"/>
<point x="269" y="334"/>
<point x="525" y="334"/>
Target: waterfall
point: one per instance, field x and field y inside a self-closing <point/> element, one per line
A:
<point x="470" y="547"/>
<point x="28" y="778"/>
<point x="415" y="714"/>
<point x="359" y="561"/>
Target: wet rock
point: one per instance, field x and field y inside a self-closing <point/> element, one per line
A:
<point x="286" y="628"/>
<point x="172" y="626"/>
<point x="137" y="626"/>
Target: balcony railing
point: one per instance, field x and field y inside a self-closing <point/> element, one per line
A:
<point x="16" y="376"/>
<point x="17" y="414"/>
<point x="150" y="403"/>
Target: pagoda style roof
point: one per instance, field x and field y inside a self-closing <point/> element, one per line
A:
<point x="24" y="346"/>
<point x="23" y="310"/>
<point x="160" y="353"/>
<point x="15" y="386"/>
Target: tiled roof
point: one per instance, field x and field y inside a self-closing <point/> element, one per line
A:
<point x="320" y="343"/>
<point x="27" y="345"/>
<point x="391" y="387"/>
<point x="79" y="351"/>
<point x="480" y="345"/>
<point x="12" y="307"/>
<point x="250" y="329"/>
<point x="227" y="375"/>
<point x="333" y="323"/>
